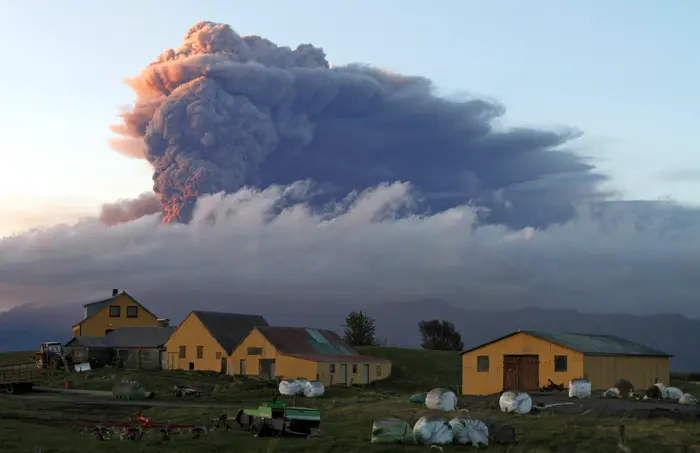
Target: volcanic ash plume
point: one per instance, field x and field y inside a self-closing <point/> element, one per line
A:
<point x="224" y="111"/>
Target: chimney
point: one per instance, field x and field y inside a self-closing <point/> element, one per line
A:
<point x="115" y="291"/>
<point x="163" y="322"/>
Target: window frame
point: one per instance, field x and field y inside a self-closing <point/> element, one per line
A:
<point x="182" y="352"/>
<point x="200" y="352"/>
<point x="129" y="308"/>
<point x="255" y="351"/>
<point x="556" y="363"/>
<point x="332" y="368"/>
<point x="480" y="364"/>
<point x="118" y="311"/>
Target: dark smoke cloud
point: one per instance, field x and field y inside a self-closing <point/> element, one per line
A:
<point x="224" y="111"/>
<point x="130" y="209"/>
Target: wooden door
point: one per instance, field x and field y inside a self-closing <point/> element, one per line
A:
<point x="529" y="373"/>
<point x="510" y="372"/>
<point x="343" y="377"/>
<point x="224" y="365"/>
<point x="267" y="368"/>
<point x="242" y="365"/>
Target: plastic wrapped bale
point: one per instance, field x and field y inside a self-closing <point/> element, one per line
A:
<point x="579" y="388"/>
<point x="657" y="392"/>
<point x="391" y="431"/>
<point x="467" y="431"/>
<point x="673" y="393"/>
<point x="418" y="398"/>
<point x="131" y="390"/>
<point x="432" y="430"/>
<point x="612" y="392"/>
<point x="441" y="400"/>
<point x="687" y="398"/>
<point x="290" y="388"/>
<point x="518" y="403"/>
<point x="313" y="389"/>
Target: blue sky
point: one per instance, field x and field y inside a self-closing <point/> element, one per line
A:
<point x="624" y="72"/>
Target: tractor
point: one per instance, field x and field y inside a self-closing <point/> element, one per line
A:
<point x="52" y="355"/>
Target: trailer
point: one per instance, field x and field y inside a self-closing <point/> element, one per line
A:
<point x="18" y="378"/>
<point x="278" y="419"/>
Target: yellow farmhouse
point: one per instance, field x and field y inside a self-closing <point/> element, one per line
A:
<point x="527" y="360"/>
<point x="120" y="310"/>
<point x="313" y="354"/>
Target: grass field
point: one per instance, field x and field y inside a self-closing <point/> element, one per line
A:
<point x="347" y="415"/>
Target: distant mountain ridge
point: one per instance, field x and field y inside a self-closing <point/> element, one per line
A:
<point x="25" y="327"/>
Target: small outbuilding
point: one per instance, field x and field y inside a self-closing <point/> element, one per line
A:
<point x="314" y="354"/>
<point x="527" y="360"/>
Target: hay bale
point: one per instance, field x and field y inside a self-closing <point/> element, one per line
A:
<point x="624" y="386"/>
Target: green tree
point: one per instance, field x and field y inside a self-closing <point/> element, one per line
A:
<point x="440" y="335"/>
<point x="360" y="329"/>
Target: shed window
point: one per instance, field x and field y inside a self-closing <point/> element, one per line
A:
<point x="183" y="352"/>
<point x="255" y="351"/>
<point x="132" y="311"/>
<point x="200" y="352"/>
<point x="332" y="367"/>
<point x="561" y="363"/>
<point x="218" y="356"/>
<point x="482" y="364"/>
<point x="115" y="311"/>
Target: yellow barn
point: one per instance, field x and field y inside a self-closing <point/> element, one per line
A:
<point x="205" y="339"/>
<point x="527" y="360"/>
<point x="313" y="354"/>
<point x="120" y="310"/>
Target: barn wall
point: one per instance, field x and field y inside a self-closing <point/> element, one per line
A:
<point x="604" y="371"/>
<point x="355" y="373"/>
<point x="190" y="334"/>
<point x="491" y="382"/>
<point x="286" y="367"/>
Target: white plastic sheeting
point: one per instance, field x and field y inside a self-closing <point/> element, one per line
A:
<point x="687" y="398"/>
<point x="467" y="431"/>
<point x="673" y="393"/>
<point x="612" y="392"/>
<point x="432" y="430"/>
<point x="441" y="400"/>
<point x="290" y="388"/>
<point x="518" y="403"/>
<point x="313" y="389"/>
<point x="579" y="388"/>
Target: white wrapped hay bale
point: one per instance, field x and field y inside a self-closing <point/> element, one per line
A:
<point x="673" y="393"/>
<point x="432" y="430"/>
<point x="466" y="431"/>
<point x="517" y="403"/>
<point x="290" y="388"/>
<point x="687" y="398"/>
<point x="612" y="392"/>
<point x="441" y="400"/>
<point x="391" y="431"/>
<point x="662" y="390"/>
<point x="313" y="389"/>
<point x="579" y="388"/>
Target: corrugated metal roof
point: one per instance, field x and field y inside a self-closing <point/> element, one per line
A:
<point x="594" y="344"/>
<point x="300" y="340"/>
<point x="127" y="337"/>
<point x="229" y="329"/>
<point x="138" y="337"/>
<point x="590" y="344"/>
<point x="340" y="358"/>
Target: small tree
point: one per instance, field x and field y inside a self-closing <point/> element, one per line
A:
<point x="440" y="335"/>
<point x="360" y="329"/>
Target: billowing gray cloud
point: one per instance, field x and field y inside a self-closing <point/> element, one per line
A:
<point x="224" y="111"/>
<point x="129" y="209"/>
<point x="627" y="257"/>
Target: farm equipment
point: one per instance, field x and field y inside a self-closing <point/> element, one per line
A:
<point x="18" y="378"/>
<point x="144" y="428"/>
<point x="131" y="390"/>
<point x="277" y="419"/>
<point x="53" y="355"/>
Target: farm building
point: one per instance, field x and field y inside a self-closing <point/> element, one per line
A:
<point x="313" y="354"/>
<point x="120" y="310"/>
<point x="526" y="360"/>
<point x="205" y="340"/>
<point x="136" y="347"/>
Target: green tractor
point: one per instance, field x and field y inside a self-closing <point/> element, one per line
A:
<point x="277" y="419"/>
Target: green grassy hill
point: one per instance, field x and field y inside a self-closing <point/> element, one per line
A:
<point x="16" y="357"/>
